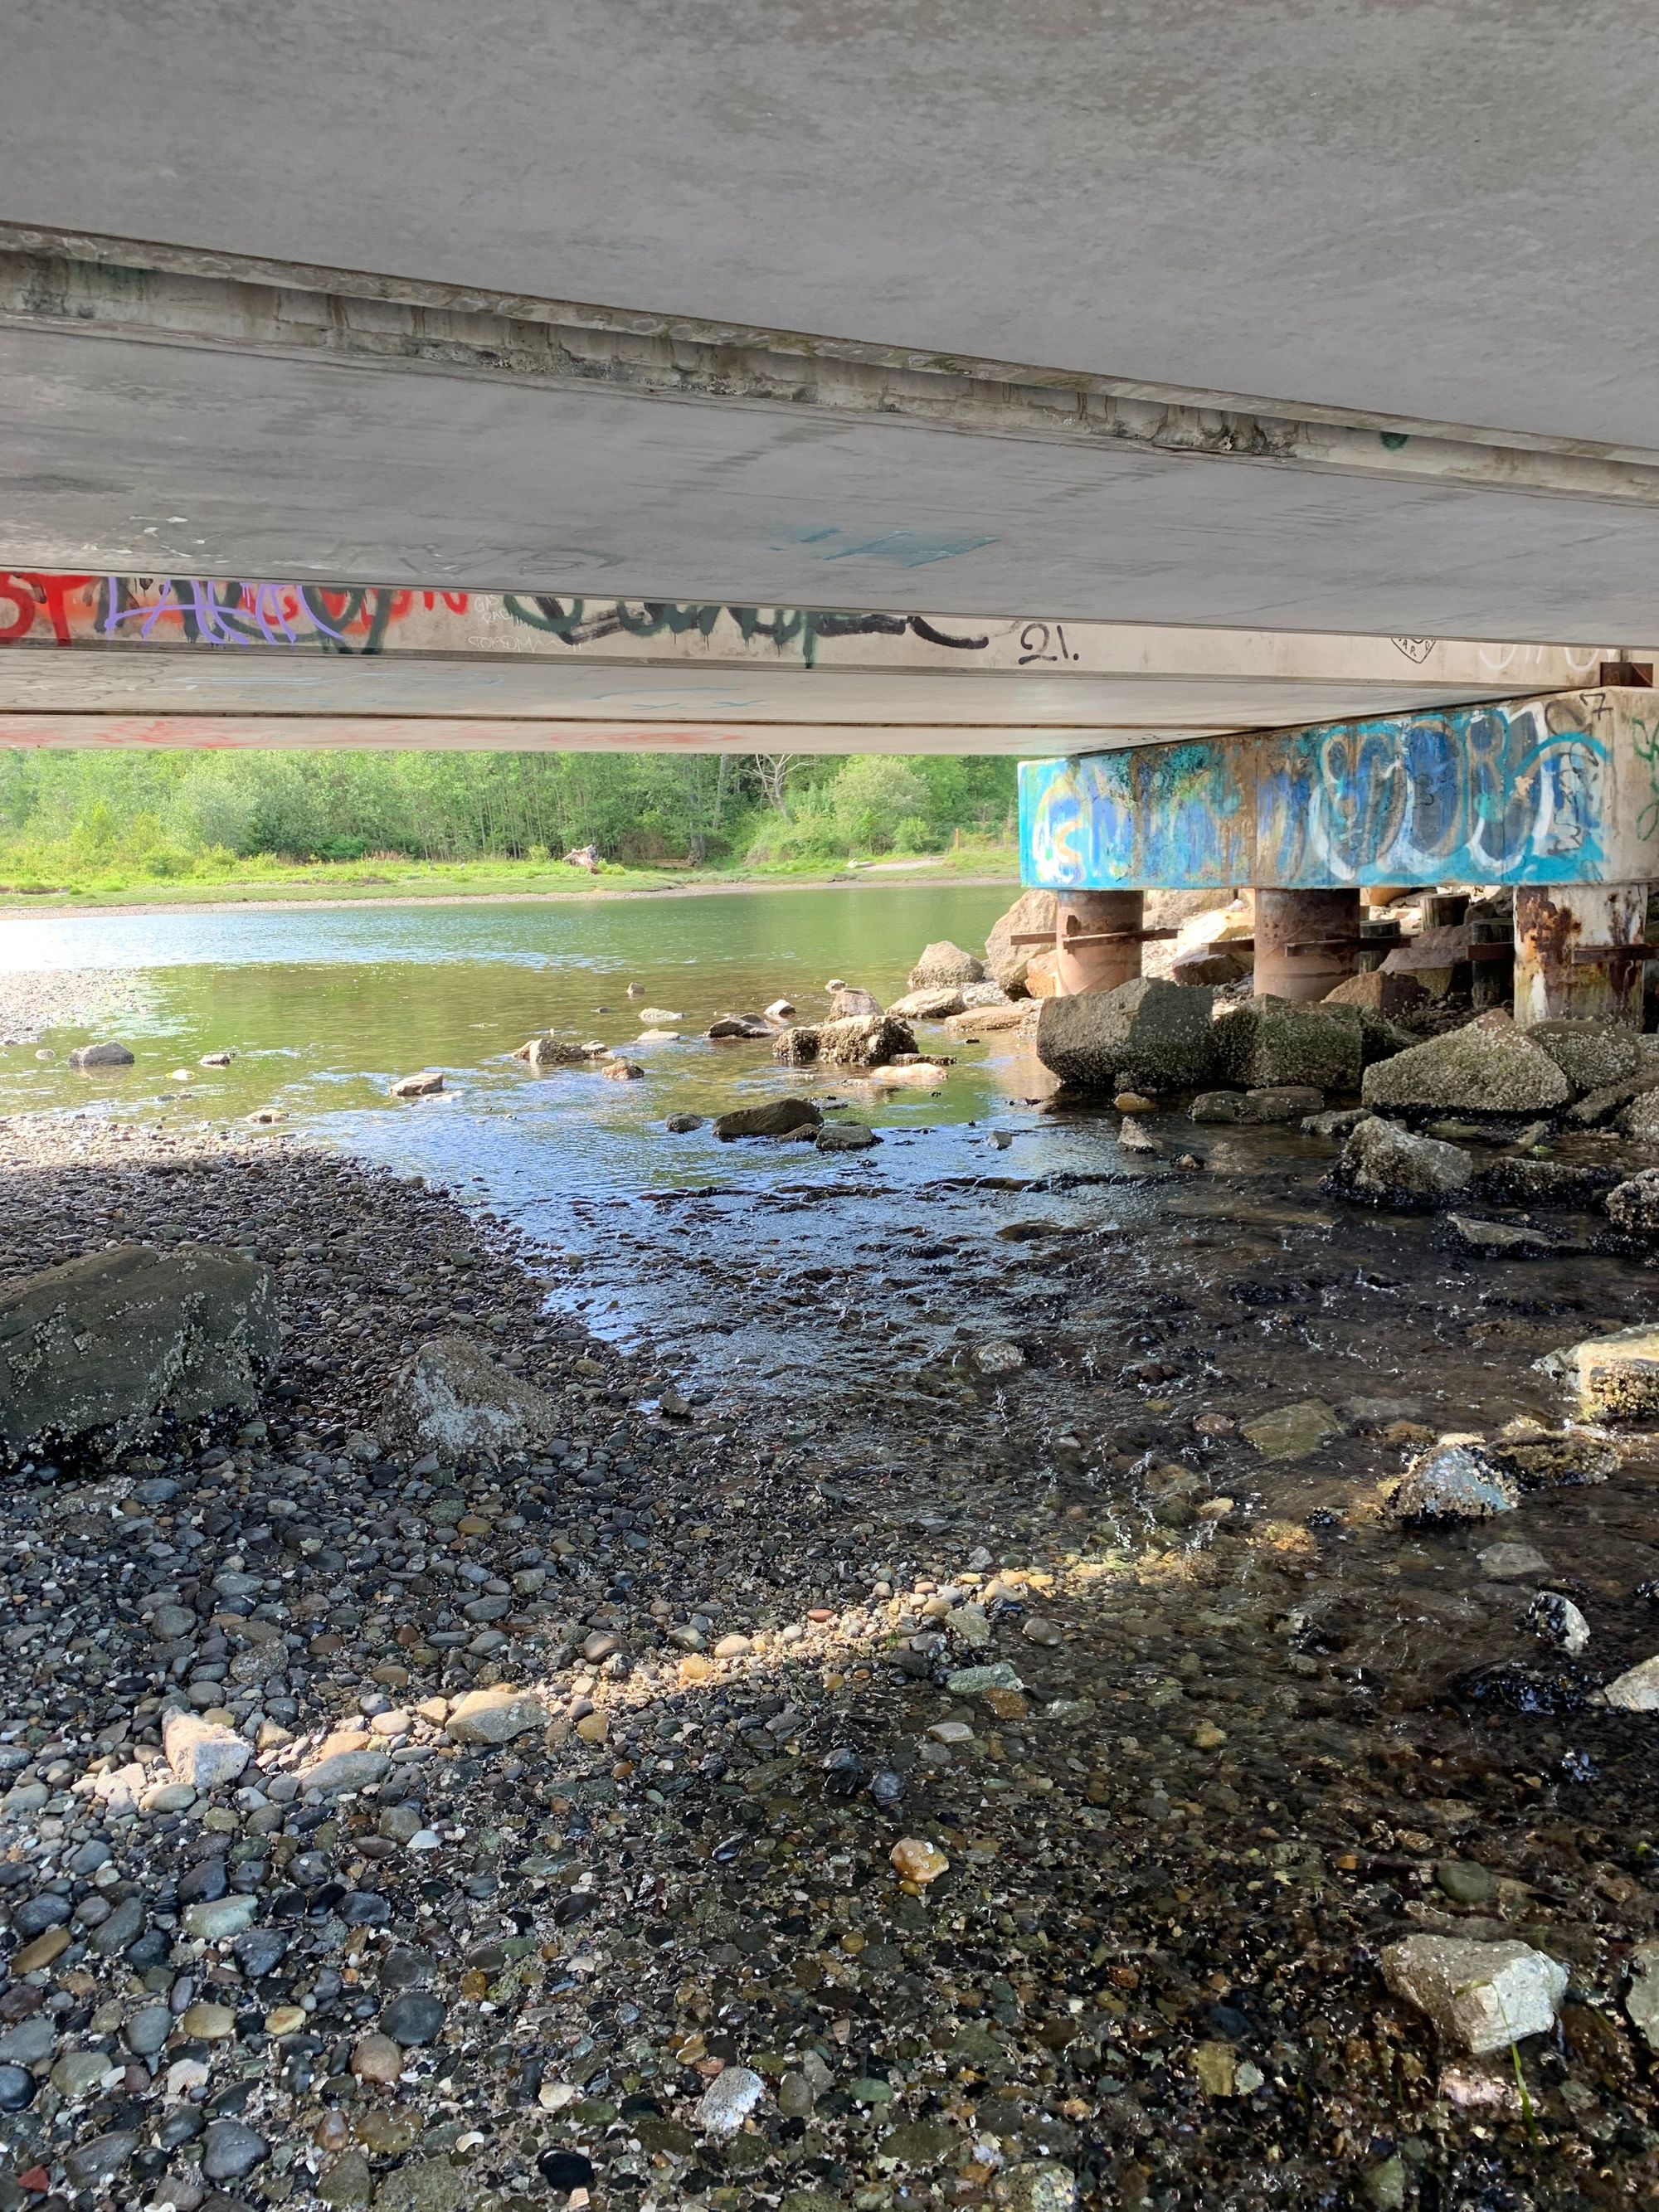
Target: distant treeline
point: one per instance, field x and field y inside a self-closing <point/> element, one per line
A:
<point x="175" y="813"/>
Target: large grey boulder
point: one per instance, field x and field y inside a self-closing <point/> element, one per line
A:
<point x="100" y="1055"/>
<point x="857" y="1040"/>
<point x="1590" y="1055"/>
<point x="452" y="1399"/>
<point x="942" y="963"/>
<point x="1007" y="961"/>
<point x="1387" y="1165"/>
<point x="1269" y="1040"/>
<point x="99" y="1353"/>
<point x="1161" y="1033"/>
<point x="933" y="1002"/>
<point x="1488" y="1066"/>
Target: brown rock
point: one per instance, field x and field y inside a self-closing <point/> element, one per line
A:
<point x="1384" y="991"/>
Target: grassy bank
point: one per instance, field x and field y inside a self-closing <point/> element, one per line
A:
<point x="262" y="879"/>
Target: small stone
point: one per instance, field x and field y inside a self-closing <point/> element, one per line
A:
<point x="1512" y="1563"/>
<point x="414" y="2018"/>
<point x="1482" y="1997"/>
<point x="998" y="1357"/>
<point x="208" y="2023"/>
<point x="219" y="1917"/>
<point x="1036" y="1629"/>
<point x="566" y="2172"/>
<point x="95" y="2165"/>
<point x="425" y="2185"/>
<point x="1454" y="1482"/>
<point x="494" y="1716"/>
<point x="78" y="2073"/>
<point x="974" y="1682"/>
<point x="1466" y="1882"/>
<point x="1293" y="1431"/>
<point x="916" y="1860"/>
<point x="286" y="2019"/>
<point x="1216" y="2066"/>
<point x="1384" y="2184"/>
<point x="1037" y="2185"/>
<point x="728" y="2101"/>
<point x="147" y="2031"/>
<point x="1635" y="1691"/>
<point x="1206" y="1736"/>
<point x="347" y="2185"/>
<point x="1642" y="1998"/>
<point x="732" y="1646"/>
<point x="203" y="1753"/>
<point x="230" y="2151"/>
<point x="376" y="2058"/>
<point x="796" y="2096"/>
<point x="1558" y="1621"/>
<point x="333" y="1772"/>
<point x="16" y="2088"/>
<point x="417" y="1086"/>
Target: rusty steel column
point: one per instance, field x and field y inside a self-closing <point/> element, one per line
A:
<point x="1092" y="913"/>
<point x="1325" y="924"/>
<point x="1555" y="923"/>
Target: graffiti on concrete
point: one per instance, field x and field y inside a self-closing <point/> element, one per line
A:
<point x="1475" y="795"/>
<point x="194" y="611"/>
<point x="1518" y="794"/>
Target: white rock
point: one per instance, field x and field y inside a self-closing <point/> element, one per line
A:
<point x="998" y="1358"/>
<point x="728" y="2101"/>
<point x="203" y="1753"/>
<point x="1484" y="1997"/>
<point x="1456" y="1482"/>
<point x="1559" y="1621"/>
<point x="1635" y="1691"/>
<point x="1642" y="1998"/>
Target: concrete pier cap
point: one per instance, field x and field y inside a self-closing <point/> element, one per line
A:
<point x="1555" y="797"/>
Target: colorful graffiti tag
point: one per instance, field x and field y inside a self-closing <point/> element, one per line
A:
<point x="1497" y="794"/>
<point x="38" y="608"/>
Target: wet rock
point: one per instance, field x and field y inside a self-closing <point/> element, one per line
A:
<point x="1634" y="1205"/>
<point x="845" y="1136"/>
<point x="1386" y="1165"/>
<point x="425" y="2185"/>
<point x="1543" y="1182"/>
<point x="1293" y="1431"/>
<point x="542" y="1053"/>
<point x="681" y="1125"/>
<point x="347" y="2185"/>
<point x="1159" y="1034"/>
<point x="204" y="1753"/>
<point x="728" y="2101"/>
<point x="453" y="1400"/>
<point x="95" y="2165"/>
<point x="99" y="1351"/>
<point x="998" y="1357"/>
<point x="623" y="1071"/>
<point x="942" y="964"/>
<point x="1482" y="1997"/>
<point x="412" y="2019"/>
<point x="1509" y="1563"/>
<point x="1496" y="1240"/>
<point x="565" y="2171"/>
<point x="17" y="2087"/>
<point x="1567" y="1460"/>
<point x="1267" y="1043"/>
<point x="778" y="1117"/>
<point x="1487" y="1067"/>
<point x="1642" y="1996"/>
<point x="1466" y="1882"/>
<point x="213" y="1919"/>
<point x="1590" y="1055"/>
<point x="1037" y="2185"/>
<point x="422" y="1085"/>
<point x="1133" y="1139"/>
<point x="494" y="1716"/>
<point x="100" y="1055"/>
<point x="850" y="1002"/>
<point x="858" y="1041"/>
<point x="230" y="2151"/>
<point x="1614" y="1377"/>
<point x="1454" y="1482"/>
<point x="730" y="1029"/>
<point x="1031" y="911"/>
<point x="1555" y="1620"/>
<point x="1635" y="1691"/>
<point x="916" y="1859"/>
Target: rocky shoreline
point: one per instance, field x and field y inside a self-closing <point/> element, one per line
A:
<point x="996" y="1777"/>
<point x="34" y="1000"/>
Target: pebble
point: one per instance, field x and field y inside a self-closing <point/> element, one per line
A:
<point x="728" y="2101"/>
<point x="916" y="1860"/>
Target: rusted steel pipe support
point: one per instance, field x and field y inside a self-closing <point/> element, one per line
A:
<point x="1108" y="923"/>
<point x="1555" y="926"/>
<point x="1306" y="942"/>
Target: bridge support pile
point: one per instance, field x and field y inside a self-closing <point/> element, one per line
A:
<point x="1556" y="797"/>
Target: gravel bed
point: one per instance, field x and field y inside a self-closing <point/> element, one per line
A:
<point x="34" y="1001"/>
<point x="698" y="1811"/>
